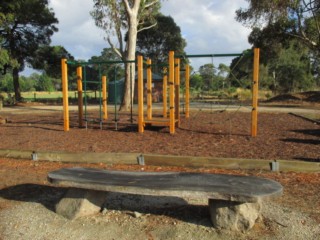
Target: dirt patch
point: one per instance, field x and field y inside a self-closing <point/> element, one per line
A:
<point x="208" y="134"/>
<point x="27" y="200"/>
<point x="27" y="209"/>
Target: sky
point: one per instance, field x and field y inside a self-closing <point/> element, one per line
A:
<point x="209" y="27"/>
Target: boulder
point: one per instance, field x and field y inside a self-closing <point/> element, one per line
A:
<point x="235" y="216"/>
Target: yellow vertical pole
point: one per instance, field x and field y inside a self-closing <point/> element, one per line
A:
<point x="255" y="89"/>
<point x="187" y="103"/>
<point x="65" y="94"/>
<point x="104" y="98"/>
<point x="80" y="98"/>
<point x="171" y="88"/>
<point x="140" y="95"/>
<point x="149" y="89"/>
<point x="177" y="89"/>
<point x="164" y="92"/>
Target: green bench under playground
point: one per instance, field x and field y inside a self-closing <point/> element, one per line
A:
<point x="234" y="201"/>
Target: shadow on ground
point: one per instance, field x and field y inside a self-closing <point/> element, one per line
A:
<point x="172" y="207"/>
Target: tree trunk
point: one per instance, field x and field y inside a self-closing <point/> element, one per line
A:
<point x="130" y="71"/>
<point x="16" y="84"/>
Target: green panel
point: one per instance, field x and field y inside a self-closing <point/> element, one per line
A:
<point x="115" y="91"/>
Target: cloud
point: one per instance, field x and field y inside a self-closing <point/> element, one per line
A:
<point x="77" y="31"/>
<point x="209" y="26"/>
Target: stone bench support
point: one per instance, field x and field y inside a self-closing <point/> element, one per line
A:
<point x="234" y="201"/>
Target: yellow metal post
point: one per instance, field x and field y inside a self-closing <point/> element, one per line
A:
<point x="171" y="87"/>
<point x="255" y="89"/>
<point x="164" y="91"/>
<point x="177" y="89"/>
<point x="104" y="97"/>
<point x="65" y="94"/>
<point x="149" y="89"/>
<point x="187" y="103"/>
<point x="80" y="98"/>
<point x="140" y="95"/>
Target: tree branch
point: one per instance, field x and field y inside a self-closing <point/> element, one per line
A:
<point x="311" y="43"/>
<point x="314" y="15"/>
<point x="127" y="6"/>
<point x="145" y="28"/>
<point x="150" y="4"/>
<point x="116" y="50"/>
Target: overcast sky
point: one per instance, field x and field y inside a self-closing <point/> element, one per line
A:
<point x="209" y="26"/>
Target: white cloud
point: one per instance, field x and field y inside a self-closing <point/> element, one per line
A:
<point x="209" y="26"/>
<point x="77" y="31"/>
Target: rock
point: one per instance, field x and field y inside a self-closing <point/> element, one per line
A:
<point x="104" y="211"/>
<point x="235" y="216"/>
<point x="79" y="202"/>
<point x="137" y="214"/>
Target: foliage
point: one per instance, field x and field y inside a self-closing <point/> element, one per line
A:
<point x="29" y="25"/>
<point x="156" y="42"/>
<point x="299" y="19"/>
<point x="35" y="82"/>
<point x="48" y="59"/>
<point x="207" y="73"/>
<point x="6" y="83"/>
<point x="129" y="16"/>
<point x="5" y="59"/>
<point x="292" y="70"/>
<point x="112" y="71"/>
<point x="196" y="81"/>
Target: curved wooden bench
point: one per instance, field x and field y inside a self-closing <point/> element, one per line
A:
<point x="234" y="201"/>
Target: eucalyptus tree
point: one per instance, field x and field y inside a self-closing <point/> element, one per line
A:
<point x="118" y="18"/>
<point x="156" y="42"/>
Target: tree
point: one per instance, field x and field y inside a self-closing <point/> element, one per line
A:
<point x="156" y="42"/>
<point x="108" y="70"/>
<point x="299" y="19"/>
<point x="207" y="72"/>
<point x="292" y="69"/>
<point x="285" y="62"/>
<point x="48" y="60"/>
<point x="196" y="81"/>
<point x="5" y="60"/>
<point x="29" y="25"/>
<point x="118" y="16"/>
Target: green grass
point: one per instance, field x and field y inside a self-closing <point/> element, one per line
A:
<point x="31" y="96"/>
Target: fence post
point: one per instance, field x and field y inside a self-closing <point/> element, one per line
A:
<point x="140" y="95"/>
<point x="164" y="92"/>
<point x="171" y="87"/>
<point x="104" y="97"/>
<point x="80" y="99"/>
<point x="149" y="90"/>
<point x="64" y="74"/>
<point x="187" y="103"/>
<point x="255" y="91"/>
<point x="177" y="89"/>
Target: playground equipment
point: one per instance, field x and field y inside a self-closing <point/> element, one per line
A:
<point x="172" y="79"/>
<point x="255" y="85"/>
<point x="174" y="96"/>
<point x="82" y="82"/>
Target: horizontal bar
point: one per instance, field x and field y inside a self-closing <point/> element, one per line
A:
<point x="88" y="81"/>
<point x="158" y="65"/>
<point x="98" y="62"/>
<point x="210" y="55"/>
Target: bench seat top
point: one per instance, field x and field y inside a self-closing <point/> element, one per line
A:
<point x="178" y="184"/>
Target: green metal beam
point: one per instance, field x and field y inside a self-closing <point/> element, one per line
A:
<point x="98" y="62"/>
<point x="209" y="55"/>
